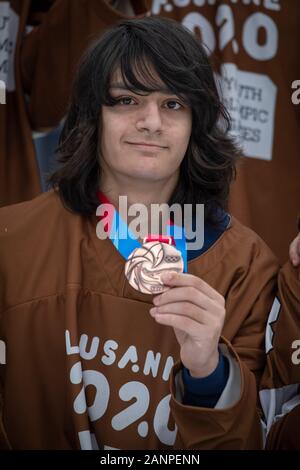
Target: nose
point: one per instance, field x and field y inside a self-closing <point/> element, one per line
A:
<point x="149" y="118"/>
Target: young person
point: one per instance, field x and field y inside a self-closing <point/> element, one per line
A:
<point x="90" y="361"/>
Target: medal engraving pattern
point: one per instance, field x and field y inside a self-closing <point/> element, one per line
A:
<point x="146" y="264"/>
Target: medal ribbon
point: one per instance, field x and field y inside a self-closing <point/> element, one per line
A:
<point x="125" y="241"/>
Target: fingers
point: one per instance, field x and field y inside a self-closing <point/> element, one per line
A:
<point x="294" y="251"/>
<point x="190" y="295"/>
<point x="180" y="322"/>
<point x="192" y="301"/>
<point x="173" y="279"/>
<point x="184" y="309"/>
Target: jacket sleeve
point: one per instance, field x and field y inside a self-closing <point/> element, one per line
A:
<point x="280" y="385"/>
<point x="235" y="422"/>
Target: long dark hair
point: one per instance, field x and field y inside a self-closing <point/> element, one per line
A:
<point x="136" y="47"/>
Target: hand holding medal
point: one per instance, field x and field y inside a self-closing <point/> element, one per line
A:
<point x="193" y="308"/>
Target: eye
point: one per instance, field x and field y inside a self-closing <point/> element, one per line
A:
<point x="172" y="104"/>
<point x="125" y="100"/>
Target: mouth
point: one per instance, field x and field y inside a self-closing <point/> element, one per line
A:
<point x="146" y="146"/>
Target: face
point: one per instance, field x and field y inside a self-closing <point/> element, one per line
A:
<point x="144" y="137"/>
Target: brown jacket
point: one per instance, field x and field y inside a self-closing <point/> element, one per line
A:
<point x="19" y="173"/>
<point x="86" y="365"/>
<point x="280" y="386"/>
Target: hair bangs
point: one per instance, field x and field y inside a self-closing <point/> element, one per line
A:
<point x="142" y="71"/>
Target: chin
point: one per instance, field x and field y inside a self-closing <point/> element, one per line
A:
<point x="145" y="176"/>
<point x="145" y="170"/>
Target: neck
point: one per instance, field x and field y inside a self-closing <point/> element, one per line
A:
<point x="146" y="193"/>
